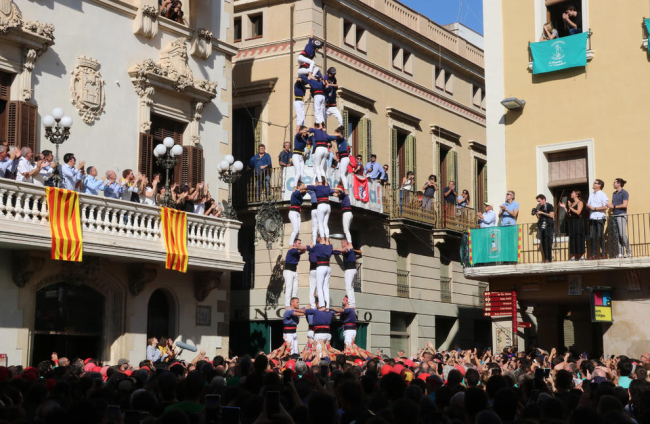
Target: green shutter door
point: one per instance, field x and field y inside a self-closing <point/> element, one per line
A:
<point x="257" y="125"/>
<point x="368" y="140"/>
<point x="394" y="160"/>
<point x="346" y="129"/>
<point x="361" y="138"/>
<point x="485" y="190"/>
<point x="476" y="184"/>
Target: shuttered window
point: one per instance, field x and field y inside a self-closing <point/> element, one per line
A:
<point x="567" y="168"/>
<point x="411" y="158"/>
<point x="21" y="124"/>
<point x="161" y="128"/>
<point x="480" y="183"/>
<point x="145" y="158"/>
<point x="257" y="126"/>
<point x="448" y="166"/>
<point x="346" y="124"/>
<point x="394" y="155"/>
<point x="192" y="166"/>
<point x="5" y="88"/>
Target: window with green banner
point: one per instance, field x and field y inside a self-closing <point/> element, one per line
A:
<point x="559" y="53"/>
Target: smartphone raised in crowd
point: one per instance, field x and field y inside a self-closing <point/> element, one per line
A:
<point x="212" y="408"/>
<point x="113" y="413"/>
<point x="230" y="415"/>
<point x="272" y="403"/>
<point x="132" y="417"/>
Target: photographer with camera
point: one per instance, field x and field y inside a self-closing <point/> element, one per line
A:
<point x="545" y="226"/>
<point x="172" y="9"/>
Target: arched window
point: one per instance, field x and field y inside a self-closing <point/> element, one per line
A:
<point x="161" y="315"/>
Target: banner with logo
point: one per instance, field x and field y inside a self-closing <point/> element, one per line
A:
<point x="560" y="53"/>
<point x="601" y="306"/>
<point x="374" y="195"/>
<point x="65" y="224"/>
<point x="494" y="245"/>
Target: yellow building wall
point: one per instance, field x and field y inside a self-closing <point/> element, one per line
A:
<point x="607" y="101"/>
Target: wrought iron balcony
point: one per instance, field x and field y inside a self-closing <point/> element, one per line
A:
<point x="614" y="257"/>
<point x="115" y="228"/>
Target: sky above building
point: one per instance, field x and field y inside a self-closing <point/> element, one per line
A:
<point x="443" y="12"/>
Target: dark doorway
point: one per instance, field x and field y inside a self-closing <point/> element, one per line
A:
<point x="70" y="321"/>
<point x="160" y="316"/>
<point x="244" y="139"/>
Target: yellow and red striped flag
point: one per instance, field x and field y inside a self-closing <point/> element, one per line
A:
<point x="174" y="229"/>
<point x="65" y="224"/>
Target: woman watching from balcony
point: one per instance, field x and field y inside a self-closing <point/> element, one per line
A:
<point x="150" y="190"/>
<point x="549" y="32"/>
<point x="576" y="224"/>
<point x="406" y="188"/>
<point x="463" y="200"/>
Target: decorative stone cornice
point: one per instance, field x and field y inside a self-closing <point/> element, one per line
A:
<point x="24" y="267"/>
<point x="145" y="23"/>
<point x="32" y="34"/>
<point x="205" y="282"/>
<point x="139" y="275"/>
<point x="172" y="73"/>
<point x="202" y="44"/>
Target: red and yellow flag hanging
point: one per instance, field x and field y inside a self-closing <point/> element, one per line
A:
<point x="65" y="224"/>
<point x="174" y="229"/>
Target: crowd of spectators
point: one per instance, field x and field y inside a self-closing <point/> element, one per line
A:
<point x="21" y="164"/>
<point x="431" y="386"/>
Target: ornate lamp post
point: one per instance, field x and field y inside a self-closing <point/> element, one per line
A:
<point x="167" y="155"/>
<point x="57" y="130"/>
<point x="229" y="172"/>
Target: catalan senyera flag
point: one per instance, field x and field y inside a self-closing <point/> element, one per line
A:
<point x="174" y="228"/>
<point x="65" y="224"/>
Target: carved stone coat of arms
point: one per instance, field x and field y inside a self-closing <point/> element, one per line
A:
<point x="87" y="89"/>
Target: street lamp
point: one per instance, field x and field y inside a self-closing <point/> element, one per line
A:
<point x="229" y="172"/>
<point x="57" y="130"/>
<point x="167" y="155"/>
<point x="513" y="103"/>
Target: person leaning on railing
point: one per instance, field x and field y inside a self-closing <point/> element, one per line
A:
<point x="429" y="188"/>
<point x="261" y="163"/>
<point x="545" y="226"/>
<point x="618" y="204"/>
<point x="488" y="218"/>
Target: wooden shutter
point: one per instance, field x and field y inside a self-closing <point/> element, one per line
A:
<point x="5" y="85"/>
<point x="394" y="159"/>
<point x="191" y="166"/>
<point x="22" y="119"/>
<point x="567" y="168"/>
<point x="452" y="168"/>
<point x="361" y="137"/>
<point x="346" y="129"/>
<point x="145" y="158"/>
<point x="257" y="125"/>
<point x="477" y="184"/>
<point x="485" y="190"/>
<point x="368" y="139"/>
<point x="411" y="158"/>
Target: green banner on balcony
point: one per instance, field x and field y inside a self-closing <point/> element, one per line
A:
<point x="647" y="25"/>
<point x="494" y="245"/>
<point x="560" y="53"/>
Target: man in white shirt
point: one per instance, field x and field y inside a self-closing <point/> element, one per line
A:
<point x="71" y="175"/>
<point x="8" y="161"/>
<point x="26" y="167"/>
<point x="42" y="178"/>
<point x="597" y="205"/>
<point x="488" y="218"/>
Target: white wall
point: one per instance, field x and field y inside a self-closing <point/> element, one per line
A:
<point x="88" y="28"/>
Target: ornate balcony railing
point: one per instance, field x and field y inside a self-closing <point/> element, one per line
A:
<point x="408" y="205"/>
<point x="116" y="228"/>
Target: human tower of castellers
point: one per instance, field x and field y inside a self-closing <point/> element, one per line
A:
<point x="320" y="312"/>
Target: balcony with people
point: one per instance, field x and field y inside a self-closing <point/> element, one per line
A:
<point x="577" y="236"/>
<point x="262" y="182"/>
<point x="120" y="217"/>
